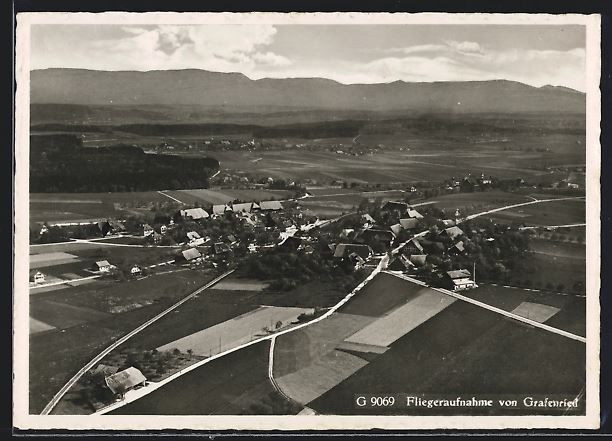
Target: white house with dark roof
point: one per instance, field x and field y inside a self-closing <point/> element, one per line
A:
<point x="125" y="380"/>
<point x="37" y="277"/>
<point x="458" y="280"/>
<point x="103" y="266"/>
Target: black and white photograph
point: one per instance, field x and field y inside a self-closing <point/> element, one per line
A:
<point x="307" y="221"/>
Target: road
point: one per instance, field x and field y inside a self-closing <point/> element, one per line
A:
<point x="552" y="226"/>
<point x="163" y="193"/>
<point x="58" y="396"/>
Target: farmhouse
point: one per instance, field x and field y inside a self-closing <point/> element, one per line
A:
<point x="400" y="263"/>
<point x="418" y="259"/>
<point x="396" y="229"/>
<point x="37" y="277"/>
<point x="409" y="223"/>
<point x="194" y="214"/>
<point x="413" y="214"/>
<point x="271" y="206"/>
<point x="452" y="232"/>
<point x="413" y="246"/>
<point x="379" y="240"/>
<point x="343" y="250"/>
<point x="243" y="208"/>
<point x="221" y="209"/>
<point x="189" y="255"/>
<point x="194" y="239"/>
<point x="126" y="380"/>
<point x="135" y="271"/>
<point x="147" y="230"/>
<point x="104" y="370"/>
<point x="103" y="266"/>
<point x="458" y="280"/>
<point x="401" y="207"/>
<point x="458" y="248"/>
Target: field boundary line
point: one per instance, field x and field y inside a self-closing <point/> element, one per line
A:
<point x="535" y="227"/>
<point x="58" y="396"/>
<point x="494" y="309"/>
<point x="173" y="198"/>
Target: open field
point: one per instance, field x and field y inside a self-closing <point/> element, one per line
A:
<point x="571" y="317"/>
<point x="465" y="348"/>
<point x="403" y="319"/>
<point x="381" y="295"/>
<point x="230" y="284"/>
<point x="236" y="331"/>
<point x="37" y="326"/>
<point x="558" y="249"/>
<point x="111" y="296"/>
<point x="548" y="213"/>
<point x="50" y="259"/>
<point x="395" y="166"/>
<point x="235" y="384"/>
<point x="477" y="201"/>
<point x="222" y="196"/>
<point x="535" y="311"/>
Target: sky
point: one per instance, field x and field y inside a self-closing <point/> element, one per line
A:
<point x="349" y="53"/>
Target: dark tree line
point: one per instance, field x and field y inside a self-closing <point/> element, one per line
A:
<point x="59" y="163"/>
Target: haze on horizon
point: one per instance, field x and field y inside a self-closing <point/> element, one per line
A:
<point x="532" y="54"/>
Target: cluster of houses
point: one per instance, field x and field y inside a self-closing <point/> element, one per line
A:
<point x="358" y="246"/>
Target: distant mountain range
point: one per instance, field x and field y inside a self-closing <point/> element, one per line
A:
<point x="236" y="91"/>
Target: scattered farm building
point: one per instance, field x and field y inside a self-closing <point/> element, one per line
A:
<point x="194" y="214"/>
<point x="147" y="230"/>
<point x="135" y="270"/>
<point x="103" y="266"/>
<point x="189" y="255"/>
<point x="125" y="380"/>
<point x="458" y="248"/>
<point x="37" y="277"/>
<point x="458" y="280"/>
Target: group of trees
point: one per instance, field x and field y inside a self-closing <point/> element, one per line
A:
<point x="63" y="165"/>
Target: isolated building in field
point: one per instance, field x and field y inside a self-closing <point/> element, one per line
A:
<point x="37" y="277"/>
<point x="103" y="266"/>
<point x="135" y="271"/>
<point x="126" y="380"/>
<point x="194" y="214"/>
<point x="458" y="280"/>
